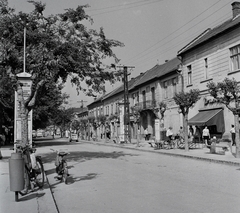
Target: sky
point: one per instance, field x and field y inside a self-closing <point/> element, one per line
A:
<point x="152" y="30"/>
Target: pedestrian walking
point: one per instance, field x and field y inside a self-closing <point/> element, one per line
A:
<point x="180" y="133"/>
<point x="206" y="135"/>
<point x="233" y="133"/>
<point x="169" y="135"/>
<point x="198" y="133"/>
<point x="146" y="134"/>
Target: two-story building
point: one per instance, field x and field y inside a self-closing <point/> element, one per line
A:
<point x="158" y="84"/>
<point x="146" y="91"/>
<point x="212" y="56"/>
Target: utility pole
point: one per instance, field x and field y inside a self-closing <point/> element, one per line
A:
<point x="81" y="106"/>
<point x="127" y="126"/>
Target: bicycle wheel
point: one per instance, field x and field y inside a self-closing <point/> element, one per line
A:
<point x="26" y="182"/>
<point x="65" y="173"/>
<point x="39" y="173"/>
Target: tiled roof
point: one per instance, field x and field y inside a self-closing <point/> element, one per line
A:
<point x="159" y="70"/>
<point x="79" y="109"/>
<point x="211" y="33"/>
<point x="156" y="72"/>
<point x="131" y="84"/>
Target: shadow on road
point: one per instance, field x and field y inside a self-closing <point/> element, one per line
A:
<point x="81" y="156"/>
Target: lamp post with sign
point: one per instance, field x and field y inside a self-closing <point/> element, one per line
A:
<point x="22" y="115"/>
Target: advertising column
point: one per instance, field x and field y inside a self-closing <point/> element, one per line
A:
<point x="121" y="119"/>
<point x="157" y="130"/>
<point x="25" y="79"/>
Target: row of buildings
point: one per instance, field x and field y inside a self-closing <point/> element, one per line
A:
<point x="212" y="56"/>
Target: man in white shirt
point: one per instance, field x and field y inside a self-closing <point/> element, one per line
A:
<point x="233" y="133"/>
<point x="206" y="135"/>
<point x="169" y="135"/>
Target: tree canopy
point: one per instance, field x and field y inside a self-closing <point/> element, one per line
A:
<point x="50" y="99"/>
<point x="186" y="100"/>
<point x="52" y="49"/>
<point x="57" y="47"/>
<point x="226" y="92"/>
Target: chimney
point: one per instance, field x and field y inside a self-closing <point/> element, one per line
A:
<point x="236" y="8"/>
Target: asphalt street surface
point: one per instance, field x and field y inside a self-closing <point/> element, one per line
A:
<point x="111" y="179"/>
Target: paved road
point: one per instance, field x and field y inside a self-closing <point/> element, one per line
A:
<point x="110" y="179"/>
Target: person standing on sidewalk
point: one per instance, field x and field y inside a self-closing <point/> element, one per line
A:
<point x="146" y="134"/>
<point x="169" y="135"/>
<point x="206" y="135"/>
<point x="233" y="133"/>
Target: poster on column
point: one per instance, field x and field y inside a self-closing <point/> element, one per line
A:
<point x="121" y="119"/>
<point x="157" y="130"/>
<point x="24" y="78"/>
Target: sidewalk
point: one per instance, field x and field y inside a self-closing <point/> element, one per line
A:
<point x="40" y="201"/>
<point x="198" y="153"/>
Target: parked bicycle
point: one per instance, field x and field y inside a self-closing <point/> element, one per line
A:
<point x="33" y="170"/>
<point x="61" y="165"/>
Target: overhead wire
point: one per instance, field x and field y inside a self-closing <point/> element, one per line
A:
<point x="189" y="38"/>
<point x="125" y="8"/>
<point x="154" y="45"/>
<point x="190" y="28"/>
<point x="119" y="5"/>
<point x="181" y="42"/>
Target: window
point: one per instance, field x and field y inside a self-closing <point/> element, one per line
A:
<point x="189" y="70"/>
<point x="174" y="82"/>
<point x="206" y="68"/>
<point x="111" y="109"/>
<point x="144" y="96"/>
<point x="116" y="107"/>
<point x="137" y="95"/>
<point x="235" y="58"/>
<point x="153" y="96"/>
<point x="165" y="89"/>
<point x="153" y="93"/>
<point x="106" y="110"/>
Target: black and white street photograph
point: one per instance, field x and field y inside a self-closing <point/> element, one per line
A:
<point x="119" y="106"/>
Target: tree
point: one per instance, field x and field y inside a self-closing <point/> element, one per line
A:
<point x="6" y="102"/>
<point x="57" y="47"/>
<point x="49" y="99"/>
<point x="185" y="101"/>
<point x="63" y="118"/>
<point x="227" y="92"/>
<point x="93" y="121"/>
<point x="102" y="119"/>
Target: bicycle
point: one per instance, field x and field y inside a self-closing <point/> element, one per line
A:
<point x="33" y="170"/>
<point x="61" y="165"/>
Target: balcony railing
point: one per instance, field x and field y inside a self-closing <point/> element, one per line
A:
<point x="149" y="104"/>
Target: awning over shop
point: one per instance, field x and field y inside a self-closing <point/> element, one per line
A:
<point x="209" y="117"/>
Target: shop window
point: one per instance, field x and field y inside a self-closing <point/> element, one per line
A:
<point x="235" y="58"/>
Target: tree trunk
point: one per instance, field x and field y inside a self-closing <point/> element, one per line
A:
<point x="185" y="130"/>
<point x="236" y="121"/>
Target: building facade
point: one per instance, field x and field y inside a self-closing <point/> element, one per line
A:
<point x="212" y="56"/>
<point x="146" y="92"/>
